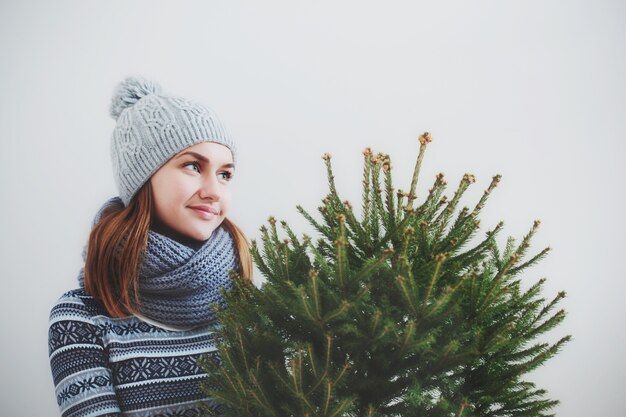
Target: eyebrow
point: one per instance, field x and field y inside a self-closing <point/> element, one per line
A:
<point x="203" y="158"/>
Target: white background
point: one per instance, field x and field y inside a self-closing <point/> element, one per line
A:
<point x="533" y="90"/>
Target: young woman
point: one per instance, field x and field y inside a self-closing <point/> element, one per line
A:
<point x="127" y="341"/>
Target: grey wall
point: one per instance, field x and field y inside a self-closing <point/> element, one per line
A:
<point x="532" y="90"/>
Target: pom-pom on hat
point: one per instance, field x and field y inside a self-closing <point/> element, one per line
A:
<point x="152" y="127"/>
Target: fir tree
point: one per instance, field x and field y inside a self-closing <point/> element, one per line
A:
<point x="391" y="314"/>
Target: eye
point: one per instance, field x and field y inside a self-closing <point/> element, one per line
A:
<point x="193" y="164"/>
<point x="227" y="175"/>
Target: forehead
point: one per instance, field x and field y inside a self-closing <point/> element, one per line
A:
<point x="211" y="152"/>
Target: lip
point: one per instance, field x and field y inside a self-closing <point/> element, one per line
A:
<point x="205" y="212"/>
<point x="208" y="209"/>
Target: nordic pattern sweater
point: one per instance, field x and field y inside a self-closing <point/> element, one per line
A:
<point x="104" y="366"/>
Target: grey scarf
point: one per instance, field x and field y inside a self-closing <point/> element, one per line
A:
<point x="177" y="283"/>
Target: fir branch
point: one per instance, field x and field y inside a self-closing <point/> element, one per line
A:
<point x="344" y="307"/>
<point x="495" y="283"/>
<point x="400" y="203"/>
<point x="306" y="308"/>
<point x="473" y="256"/>
<point x="258" y="393"/>
<point x="367" y="169"/>
<point x="460" y="221"/>
<point x="321" y="262"/>
<point x="548" y="307"/>
<point x="334" y="197"/>
<point x="408" y="295"/>
<point x="445" y="298"/>
<point x="371" y="266"/>
<point x="424" y="139"/>
<point x="292" y="237"/>
<point x="309" y="349"/>
<point x="441" y="220"/>
<point x="525" y="244"/>
<point x="377" y="210"/>
<point x="481" y="203"/>
<point x="392" y="234"/>
<point x="439" y="260"/>
<point x="433" y="204"/>
<point x="356" y="232"/>
<point x="547" y="324"/>
<point x="268" y="247"/>
<point x="342" y="272"/>
<point x="315" y="294"/>
<point x="532" y="261"/>
<point x="260" y="260"/>
<point x="389" y="194"/>
<point x="324" y="230"/>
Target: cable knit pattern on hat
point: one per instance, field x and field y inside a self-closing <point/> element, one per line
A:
<point x="152" y="127"/>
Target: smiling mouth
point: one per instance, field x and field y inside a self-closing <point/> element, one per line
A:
<point x="206" y="209"/>
<point x="205" y="214"/>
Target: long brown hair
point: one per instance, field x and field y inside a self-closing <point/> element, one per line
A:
<point x="116" y="247"/>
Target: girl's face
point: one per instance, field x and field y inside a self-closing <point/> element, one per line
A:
<point x="191" y="192"/>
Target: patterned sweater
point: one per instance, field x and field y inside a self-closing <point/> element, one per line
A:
<point x="104" y="366"/>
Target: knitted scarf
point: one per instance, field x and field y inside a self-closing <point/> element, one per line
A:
<point x="177" y="283"/>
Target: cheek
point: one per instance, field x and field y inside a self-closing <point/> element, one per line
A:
<point x="167" y="194"/>
<point x="226" y="202"/>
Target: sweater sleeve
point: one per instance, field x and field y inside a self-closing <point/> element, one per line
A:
<point x="78" y="359"/>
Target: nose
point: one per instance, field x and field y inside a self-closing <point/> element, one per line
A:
<point x="210" y="188"/>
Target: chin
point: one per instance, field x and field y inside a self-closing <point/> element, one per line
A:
<point x="204" y="235"/>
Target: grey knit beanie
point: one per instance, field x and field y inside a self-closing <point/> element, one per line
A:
<point x="152" y="127"/>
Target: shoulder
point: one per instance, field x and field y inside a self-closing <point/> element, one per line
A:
<point x="71" y="324"/>
<point x="76" y="305"/>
